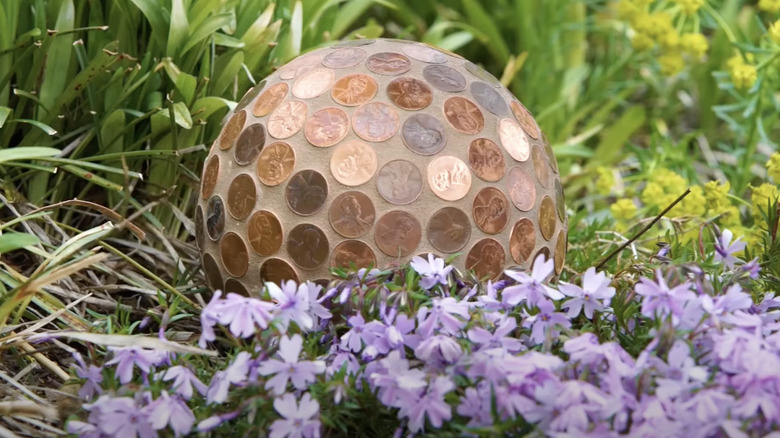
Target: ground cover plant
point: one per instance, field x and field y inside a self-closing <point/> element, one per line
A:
<point x="664" y="119"/>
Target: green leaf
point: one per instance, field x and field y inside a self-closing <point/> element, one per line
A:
<point x="4" y="113"/>
<point x="59" y="54"/>
<point x="614" y="137"/>
<point x="225" y="71"/>
<point x="178" y="30"/>
<point x="158" y="18"/>
<point x="26" y="153"/>
<point x="13" y="241"/>
<point x="480" y="19"/>
<point x="181" y="115"/>
<point x="208" y="28"/>
<point x="296" y="28"/>
<point x="44" y="127"/>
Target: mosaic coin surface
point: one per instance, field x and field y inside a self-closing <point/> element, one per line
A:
<point x="306" y="192"/>
<point x="352" y="214"/>
<point x="486" y="160"/>
<point x="449" y="229"/>
<point x="449" y="178"/>
<point x="388" y="63"/>
<point x="265" y="233"/>
<point x="215" y="217"/>
<point x="409" y="93"/>
<point x="491" y="210"/>
<point x="353" y="163"/>
<point x="354" y="90"/>
<point x="375" y="122"/>
<point x="275" y="163"/>
<point x="287" y="120"/>
<point x="232" y="130"/>
<point x="344" y="58"/>
<point x="327" y="127"/>
<point x="235" y="256"/>
<point x="210" y="176"/>
<point x="270" y="99"/>
<point x="277" y="270"/>
<point x="424" y="134"/>
<point x="486" y="258"/>
<point x="463" y="115"/>
<point x="398" y="233"/>
<point x="522" y="240"/>
<point x="399" y="182"/>
<point x="249" y="144"/>
<point x="308" y="246"/>
<point x="242" y="196"/>
<point x="352" y="252"/>
<point x="445" y="78"/>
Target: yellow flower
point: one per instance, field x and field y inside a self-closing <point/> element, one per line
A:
<point x="654" y="24"/>
<point x="671" y="63"/>
<point x="694" y="44"/>
<point x="774" y="32"/>
<point x="642" y="42"/>
<point x="670" y="181"/>
<point x="744" y="76"/>
<point x="761" y="198"/>
<point x="694" y="204"/>
<point x="690" y="7"/>
<point x="717" y="196"/>
<point x="623" y="210"/>
<point x="605" y="182"/>
<point x="627" y="10"/>
<point x="652" y="193"/>
<point x="773" y="166"/>
<point x="669" y="40"/>
<point x="770" y="6"/>
<point x="730" y="216"/>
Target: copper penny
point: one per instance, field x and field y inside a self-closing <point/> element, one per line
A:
<point x="234" y="286"/>
<point x="398" y="233"/>
<point x="522" y="190"/>
<point x="449" y="229"/>
<point x="486" y="160"/>
<point x="399" y="182"/>
<point x="265" y="233"/>
<point x="306" y="192"/>
<point x="463" y="115"/>
<point x="327" y="127"/>
<point x="514" y="140"/>
<point x="353" y="163"/>
<point x="425" y="54"/>
<point x="409" y="93"/>
<point x="235" y="256"/>
<point x="491" y="210"/>
<point x="486" y="258"/>
<point x="351" y="253"/>
<point x="544" y="251"/>
<point x="249" y="144"/>
<point x="308" y="246"/>
<point x="354" y="43"/>
<point x="343" y="58"/>
<point x="541" y="168"/>
<point x="277" y="271"/>
<point x="488" y="98"/>
<point x="299" y="66"/>
<point x="354" y="90"/>
<point x="547" y="217"/>
<point x="270" y="99"/>
<point x="287" y="120"/>
<point x="242" y="196"/>
<point x="210" y="176"/>
<point x="481" y="73"/>
<point x="200" y="232"/>
<point x="560" y="202"/>
<point x="444" y="78"/>
<point x="388" y="63"/>
<point x="313" y="83"/>
<point x="424" y="134"/>
<point x="232" y="130"/>
<point x="524" y="118"/>
<point x="560" y="252"/>
<point x="449" y="178"/>
<point x="275" y="164"/>
<point x="213" y="276"/>
<point x="215" y="218"/>
<point x="250" y="95"/>
<point x="375" y="122"/>
<point x="522" y="240"/>
<point x="352" y="214"/>
<point x="548" y="150"/>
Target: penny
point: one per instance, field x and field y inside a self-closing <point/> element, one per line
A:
<point x="522" y="240"/>
<point x="231" y="131"/>
<point x="242" y="195"/>
<point x="486" y="258"/>
<point x="213" y="276"/>
<point x="352" y="253"/>
<point x="313" y="83"/>
<point x="275" y="164"/>
<point x="234" y="286"/>
<point x="327" y="127"/>
<point x="354" y="90"/>
<point x="277" y="271"/>
<point x="463" y="115"/>
<point x="560" y="202"/>
<point x="353" y="163"/>
<point x="547" y="218"/>
<point x="425" y="54"/>
<point x="541" y="168"/>
<point x="491" y="210"/>
<point x="343" y="58"/>
<point x="375" y="122"/>
<point x="215" y="217"/>
<point x="548" y="150"/>
<point x="398" y="233"/>
<point x="354" y="43"/>
<point x="265" y="233"/>
<point x="210" y="176"/>
<point x="388" y="63"/>
<point x="299" y="66"/>
<point x="287" y="120"/>
<point x="560" y="252"/>
<point x="399" y="182"/>
<point x="481" y="73"/>
<point x="514" y="140"/>
<point x="352" y="214"/>
<point x="449" y="229"/>
<point x="486" y="160"/>
<point x="424" y="134"/>
<point x="488" y="98"/>
<point x="522" y="190"/>
<point x="250" y="95"/>
<point x="200" y="236"/>
<point x="445" y="78"/>
<point x="544" y="251"/>
<point x="307" y="245"/>
<point x="409" y="93"/>
<point x="235" y="256"/>
<point x="249" y="144"/>
<point x="306" y="192"/>
<point x="270" y="99"/>
<point x="449" y="178"/>
<point x="524" y="118"/>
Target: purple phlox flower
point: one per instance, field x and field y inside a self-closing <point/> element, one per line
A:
<point x="725" y="249"/>
<point x="387" y="335"/>
<point x="443" y="315"/>
<point x="531" y="287"/>
<point x="489" y="301"/>
<point x="510" y="401"/>
<point x="595" y="294"/>
<point x="733" y="299"/>
<point x="744" y="321"/>
<point x="432" y="272"/>
<point x="300" y="373"/>
<point x="83" y="430"/>
<point x="235" y="373"/>
<point x="292" y="304"/>
<point x="733" y="347"/>
<point x="126" y="358"/>
<point x="183" y="381"/>
<point x="543" y="412"/>
<point x="439" y="348"/>
<point x="353" y="339"/>
<point x="709" y="405"/>
<point x="475" y="405"/>
<point x="248" y="314"/>
<point x="361" y="277"/>
<point x="758" y="398"/>
<point x="763" y="308"/>
<point x="752" y="268"/>
<point x="545" y="322"/>
<point x="213" y="313"/>
<point x="212" y="422"/>
<point x="338" y="357"/>
<point x="431" y="404"/>
<point x="397" y="383"/>
<point x="681" y="364"/>
<point x="318" y="311"/>
<point x="661" y="301"/>
<point x="499" y="338"/>
<point x="761" y="370"/>
<point x="587" y="350"/>
<point x="167" y="410"/>
<point x="92" y="375"/>
<point x="120" y="417"/>
<point x="299" y="420"/>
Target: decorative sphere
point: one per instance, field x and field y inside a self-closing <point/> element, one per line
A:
<point x="370" y="152"/>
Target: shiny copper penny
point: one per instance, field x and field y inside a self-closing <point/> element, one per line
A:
<point x="232" y="130"/>
<point x="275" y="164"/>
<point x="424" y="134"/>
<point x="234" y="286"/>
<point x="308" y="246"/>
<point x="486" y="258"/>
<point x="313" y="83"/>
<point x="522" y="190"/>
<point x="548" y="150"/>
<point x="524" y="118"/>
<point x="270" y="99"/>
<point x="265" y="233"/>
<point x="343" y="58"/>
<point x="388" y="63"/>
<point x="522" y="240"/>
<point x="299" y="66"/>
<point x="375" y="121"/>
<point x="449" y="178"/>
<point x="277" y="271"/>
<point x="352" y="214"/>
<point x="514" y="140"/>
<point x="541" y="168"/>
<point x="242" y="196"/>
<point x="445" y="78"/>
<point x="544" y="251"/>
<point x="560" y="252"/>
<point x="210" y="176"/>
<point x="215" y="218"/>
<point x="351" y="253"/>
<point x="449" y="229"/>
<point x="249" y="144"/>
<point x="327" y="127"/>
<point x="560" y="202"/>
<point x="234" y="254"/>
<point x="250" y="95"/>
<point x="398" y="233"/>
<point x="213" y="276"/>
<point x="353" y="163"/>
<point x="488" y="98"/>
<point x="409" y="93"/>
<point x="463" y="115"/>
<point x="287" y="120"/>
<point x="354" y="90"/>
<point x="200" y="229"/>
<point x="354" y="43"/>
<point x="306" y="192"/>
<point x="486" y="160"/>
<point x="481" y="73"/>
<point x="425" y="54"/>
<point x="547" y="218"/>
<point x="491" y="210"/>
<point x="399" y="182"/>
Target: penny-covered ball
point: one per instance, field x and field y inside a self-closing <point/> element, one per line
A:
<point x="368" y="153"/>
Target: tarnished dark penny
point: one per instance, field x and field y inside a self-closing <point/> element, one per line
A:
<point x="425" y="54"/>
<point x="200" y="229"/>
<point x="352" y="253"/>
<point x="234" y="286"/>
<point x="354" y="90"/>
<point x="444" y="78"/>
<point x="524" y="118"/>
<point x="242" y="195"/>
<point x="352" y="214"/>
<point x="399" y="182"/>
<point x="353" y="163"/>
<point x="548" y="150"/>
<point x="327" y="127"/>
<point x="560" y="202"/>
<point x="541" y="168"/>
<point x="486" y="160"/>
<point x="409" y="93"/>
<point x="343" y="58"/>
<point x="398" y="233"/>
<point x="449" y="229"/>
<point x="215" y="217"/>
<point x="270" y="99"/>
<point x="232" y="130"/>
<point x="354" y="43"/>
<point x="299" y="66"/>
<point x="249" y="96"/>
<point x="249" y="144"/>
<point x="560" y="252"/>
<point x="449" y="178"/>
<point x="463" y="115"/>
<point x="211" y="269"/>
<point x="522" y="189"/>
<point x="544" y="251"/>
<point x="491" y="210"/>
<point x="275" y="164"/>
<point x="277" y="271"/>
<point x="522" y="240"/>
<point x="388" y="63"/>
<point x="265" y="233"/>
<point x="486" y="258"/>
<point x="210" y="176"/>
<point x="547" y="218"/>
<point x="375" y="122"/>
<point x="308" y="246"/>
<point x="313" y="83"/>
<point x="234" y="254"/>
<point x="287" y="120"/>
<point x="306" y="192"/>
<point x="488" y="98"/>
<point x="481" y="73"/>
<point x="514" y="140"/>
<point x="424" y="134"/>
